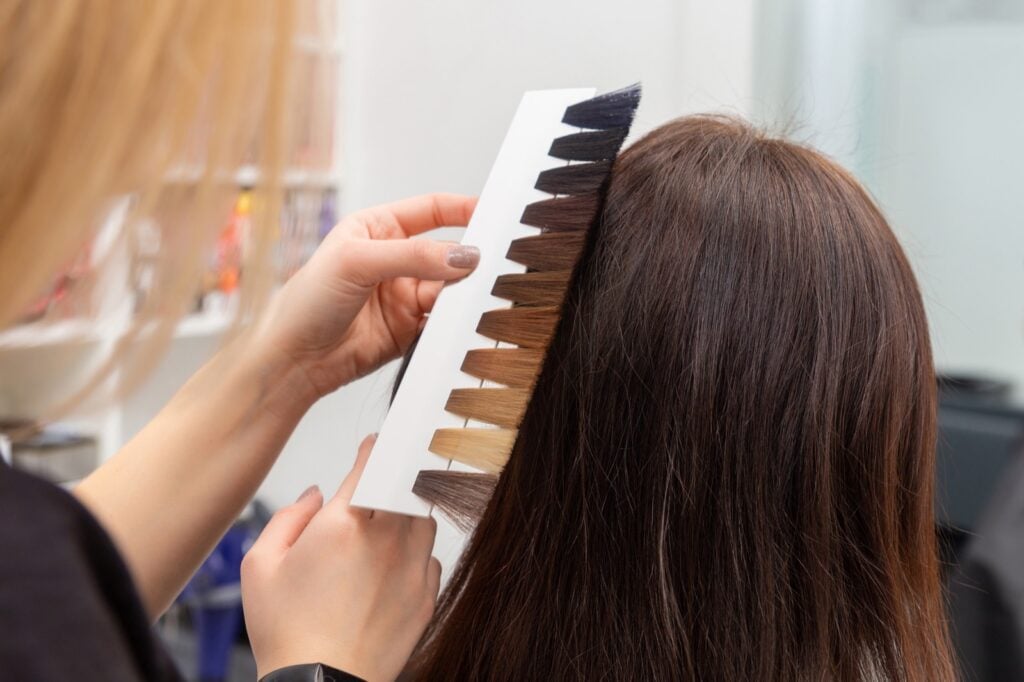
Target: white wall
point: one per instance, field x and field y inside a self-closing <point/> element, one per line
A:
<point x="925" y="107"/>
<point x="950" y="182"/>
<point x="432" y="86"/>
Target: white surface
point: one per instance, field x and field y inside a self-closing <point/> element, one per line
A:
<point x="430" y="86"/>
<point x="418" y="409"/>
<point x="950" y="182"/>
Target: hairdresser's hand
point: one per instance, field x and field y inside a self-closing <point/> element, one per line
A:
<point x="362" y="297"/>
<point x="326" y="583"/>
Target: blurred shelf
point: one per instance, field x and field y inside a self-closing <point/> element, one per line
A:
<point x="201" y="325"/>
<point x="249" y="176"/>
<point x="61" y="332"/>
<point x="315" y="45"/>
<point x="79" y="331"/>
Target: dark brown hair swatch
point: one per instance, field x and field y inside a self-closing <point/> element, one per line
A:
<point x="533" y="288"/>
<point x="550" y="251"/>
<point x="566" y="213"/>
<point x="460" y="496"/>
<point x="595" y="145"/>
<point x="577" y="178"/>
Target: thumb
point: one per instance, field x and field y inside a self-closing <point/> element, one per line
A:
<point x="367" y="262"/>
<point x="287" y="524"/>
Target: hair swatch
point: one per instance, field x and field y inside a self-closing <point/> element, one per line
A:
<point x="598" y="145"/>
<point x="537" y="296"/>
<point x="611" y="110"/>
<point x="483" y="449"/>
<point x="577" y="178"/>
<point x="461" y="496"/>
<point x="528" y="327"/>
<point x="498" y="406"/>
<point x="566" y="213"/>
<point x="533" y="288"/>
<point x="514" y="367"/>
<point x="549" y="251"/>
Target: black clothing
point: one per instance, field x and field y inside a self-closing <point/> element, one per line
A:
<point x="310" y="672"/>
<point x="68" y="608"/>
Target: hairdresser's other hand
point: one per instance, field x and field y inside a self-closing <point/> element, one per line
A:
<point x="362" y="297"/>
<point x="326" y="583"/>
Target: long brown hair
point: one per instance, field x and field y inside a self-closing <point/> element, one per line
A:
<point x="725" y="471"/>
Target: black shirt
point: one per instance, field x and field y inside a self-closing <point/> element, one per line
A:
<point x="68" y="608"/>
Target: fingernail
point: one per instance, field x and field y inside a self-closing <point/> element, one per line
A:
<point x="311" y="490"/>
<point x="463" y="256"/>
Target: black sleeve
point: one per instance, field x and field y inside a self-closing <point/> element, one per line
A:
<point x="68" y="608"/>
<point x="310" y="672"/>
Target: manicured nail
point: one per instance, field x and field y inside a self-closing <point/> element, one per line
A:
<point x="463" y="256"/>
<point x="311" y="490"/>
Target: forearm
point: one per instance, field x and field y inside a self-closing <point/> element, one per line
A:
<point x="170" y="493"/>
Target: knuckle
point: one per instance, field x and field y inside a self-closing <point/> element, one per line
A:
<point x="348" y="524"/>
<point x="427" y="608"/>
<point x="390" y="549"/>
<point x="422" y="250"/>
<point x="348" y="528"/>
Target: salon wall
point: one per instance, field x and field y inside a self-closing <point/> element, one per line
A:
<point x="922" y="100"/>
<point x="950" y="183"/>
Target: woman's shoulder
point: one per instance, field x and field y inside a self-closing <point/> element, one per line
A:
<point x="68" y="608"/>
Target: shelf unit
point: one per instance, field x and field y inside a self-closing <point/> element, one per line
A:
<point x="249" y="176"/>
<point x="34" y="357"/>
<point x="79" y="331"/>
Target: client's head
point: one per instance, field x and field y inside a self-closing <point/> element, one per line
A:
<point x="725" y="472"/>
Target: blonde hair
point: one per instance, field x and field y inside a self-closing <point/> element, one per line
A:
<point x="105" y="99"/>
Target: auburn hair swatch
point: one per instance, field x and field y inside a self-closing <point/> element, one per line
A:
<point x="725" y="469"/>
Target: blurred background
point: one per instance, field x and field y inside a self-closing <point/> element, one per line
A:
<point x="922" y="99"/>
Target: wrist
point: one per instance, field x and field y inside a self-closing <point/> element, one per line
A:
<point x="281" y="381"/>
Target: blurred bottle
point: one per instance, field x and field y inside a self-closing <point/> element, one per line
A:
<point x="231" y="244"/>
<point x="328" y="215"/>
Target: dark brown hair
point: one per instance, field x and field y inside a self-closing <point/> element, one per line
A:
<point x="725" y="470"/>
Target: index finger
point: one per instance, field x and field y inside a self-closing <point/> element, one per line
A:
<point x="348" y="486"/>
<point x="428" y="211"/>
